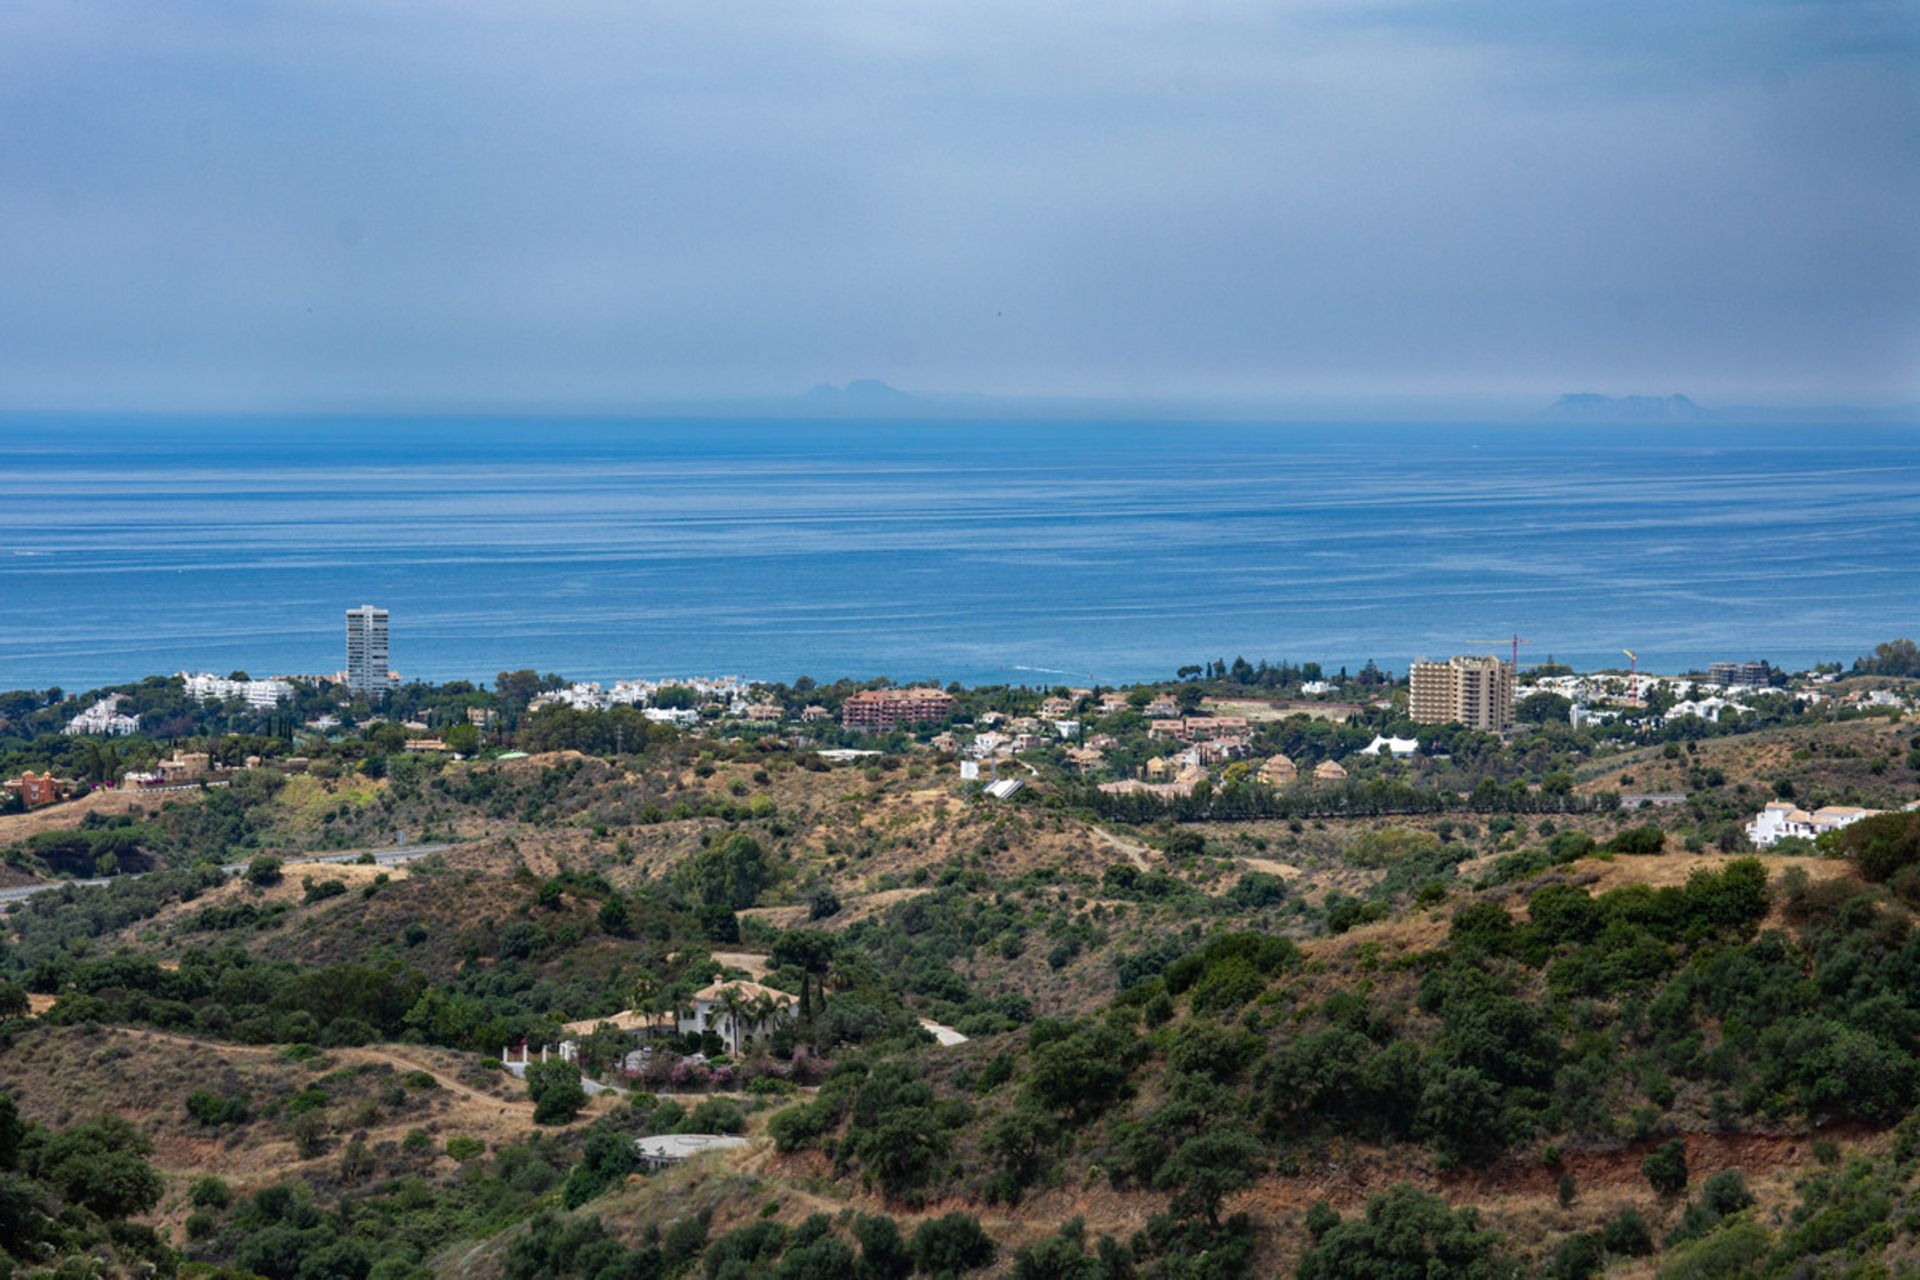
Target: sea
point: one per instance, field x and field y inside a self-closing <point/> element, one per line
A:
<point x="1035" y="553"/>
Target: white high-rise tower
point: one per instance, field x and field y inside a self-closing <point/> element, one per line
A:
<point x="367" y="651"/>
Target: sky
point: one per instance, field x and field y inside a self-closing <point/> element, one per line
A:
<point x="577" y="204"/>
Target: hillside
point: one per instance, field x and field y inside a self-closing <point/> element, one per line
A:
<point x="1189" y="1045"/>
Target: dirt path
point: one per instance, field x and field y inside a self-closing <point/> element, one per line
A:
<point x="852" y="908"/>
<point x="1137" y="852"/>
<point x="1285" y="870"/>
<point x="756" y="965"/>
<point x="397" y="1057"/>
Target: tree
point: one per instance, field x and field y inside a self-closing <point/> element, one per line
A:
<point x="1543" y="708"/>
<point x="463" y="739"/>
<point x="647" y="995"/>
<point x="729" y="874"/>
<point x="951" y="1245"/>
<point x="607" y="1158"/>
<point x="1880" y="846"/>
<point x="12" y="1131"/>
<point x="1209" y="1168"/>
<point x="827" y="1258"/>
<point x="555" y="1089"/>
<point x="901" y="1147"/>
<point x="1893" y="658"/>
<point x="1407" y="1235"/>
<point x="1666" y="1168"/>
<point x="734" y="1003"/>
<point x="615" y="917"/>
<point x="883" y="1254"/>
<point x="1460" y="1111"/>
<point x="1627" y="1234"/>
<point x="264" y="870"/>
<point x="1020" y="1140"/>
<point x="516" y="688"/>
<point x="102" y="1165"/>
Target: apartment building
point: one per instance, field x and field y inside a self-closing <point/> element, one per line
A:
<point x="262" y="695"/>
<point x="1750" y="675"/>
<point x="891" y="708"/>
<point x="367" y="651"/>
<point x="1475" y="692"/>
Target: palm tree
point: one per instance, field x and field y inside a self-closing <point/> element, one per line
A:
<point x="765" y="1007"/>
<point x="733" y="1002"/>
<point x="847" y="971"/>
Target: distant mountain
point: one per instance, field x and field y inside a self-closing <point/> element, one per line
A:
<point x="1597" y="408"/>
<point x="861" y="393"/>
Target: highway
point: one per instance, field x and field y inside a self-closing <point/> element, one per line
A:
<point x="389" y="857"/>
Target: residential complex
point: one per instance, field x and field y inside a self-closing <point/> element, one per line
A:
<point x="103" y="719"/>
<point x="1752" y="675"/>
<point x="1782" y="818"/>
<point x="891" y="708"/>
<point x="262" y="695"/>
<point x="367" y="651"/>
<point x="1475" y="692"/>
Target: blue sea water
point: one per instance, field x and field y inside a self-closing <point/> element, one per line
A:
<point x="983" y="552"/>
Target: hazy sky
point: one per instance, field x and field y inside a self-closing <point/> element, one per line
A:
<point x="339" y="203"/>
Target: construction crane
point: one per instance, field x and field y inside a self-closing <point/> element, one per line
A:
<point x="1515" y="640"/>
<point x="1633" y="671"/>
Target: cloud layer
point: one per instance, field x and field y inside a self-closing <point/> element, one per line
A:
<point x="580" y="204"/>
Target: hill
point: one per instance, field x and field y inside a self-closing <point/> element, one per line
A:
<point x="1214" y="1047"/>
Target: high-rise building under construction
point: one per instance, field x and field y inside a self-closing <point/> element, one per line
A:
<point x="1475" y="692"/>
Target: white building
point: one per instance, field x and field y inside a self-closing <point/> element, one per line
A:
<point x="1313" y="688"/>
<point x="1782" y="818"/>
<point x="367" y="670"/>
<point x="103" y="719"/>
<point x="760" y="1010"/>
<point x="1705" y="708"/>
<point x="262" y="695"/>
<point x="733" y="693"/>
<point x="583" y="696"/>
<point x="1398" y="747"/>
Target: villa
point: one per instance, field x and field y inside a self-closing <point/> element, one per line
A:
<point x="1782" y="819"/>
<point x="740" y="1013"/>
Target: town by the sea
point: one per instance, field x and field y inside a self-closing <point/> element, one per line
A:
<point x="984" y="552"/>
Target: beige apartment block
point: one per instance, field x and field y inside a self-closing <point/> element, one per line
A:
<point x="1475" y="692"/>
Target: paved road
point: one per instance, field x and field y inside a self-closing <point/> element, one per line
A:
<point x="392" y="857"/>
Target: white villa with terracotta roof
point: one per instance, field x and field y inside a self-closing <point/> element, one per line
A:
<point x="1782" y="819"/>
<point x="740" y="1012"/>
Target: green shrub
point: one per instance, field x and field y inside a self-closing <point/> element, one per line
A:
<point x="714" y="1115"/>
<point x="1732" y="1253"/>
<point x="1666" y="1168"/>
<point x="464" y="1149"/>
<point x="1648" y="839"/>
<point x="556" y="1091"/>
<point x="1405" y="1232"/>
<point x="210" y="1192"/>
<point x="951" y="1245"/>
<point x="1627" y="1234"/>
